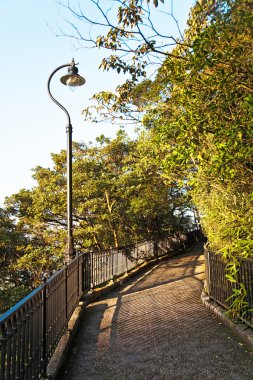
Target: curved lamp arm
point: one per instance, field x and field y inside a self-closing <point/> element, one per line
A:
<point x="51" y="96"/>
<point x="72" y="79"/>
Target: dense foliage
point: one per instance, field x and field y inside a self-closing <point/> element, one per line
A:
<point x="13" y="283"/>
<point x="198" y="110"/>
<point x="205" y="122"/>
<point x="118" y="197"/>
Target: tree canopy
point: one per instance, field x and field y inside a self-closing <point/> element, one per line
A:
<point x="197" y="109"/>
<point x="118" y="198"/>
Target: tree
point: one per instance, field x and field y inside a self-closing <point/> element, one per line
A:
<point x="118" y="197"/>
<point x="134" y="43"/>
<point x="207" y="102"/>
<point x="13" y="284"/>
<point x="198" y="108"/>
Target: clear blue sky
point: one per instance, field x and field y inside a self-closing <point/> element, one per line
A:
<point x="31" y="125"/>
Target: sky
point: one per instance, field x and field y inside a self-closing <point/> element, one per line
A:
<point x="31" y="125"/>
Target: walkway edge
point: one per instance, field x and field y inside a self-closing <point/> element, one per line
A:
<point x="239" y="328"/>
<point x="66" y="340"/>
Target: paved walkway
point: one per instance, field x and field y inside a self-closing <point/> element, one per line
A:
<point x="156" y="327"/>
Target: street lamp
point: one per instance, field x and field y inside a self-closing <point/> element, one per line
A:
<point x="72" y="79"/>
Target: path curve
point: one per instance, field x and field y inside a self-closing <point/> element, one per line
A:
<point x="155" y="327"/>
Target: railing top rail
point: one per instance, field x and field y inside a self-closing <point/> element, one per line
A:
<point x="219" y="255"/>
<point x="131" y="245"/>
<point x="20" y="304"/>
<point x="55" y="274"/>
<point x="245" y="259"/>
<point x="59" y="271"/>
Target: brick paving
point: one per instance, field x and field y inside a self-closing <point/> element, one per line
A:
<point x="155" y="327"/>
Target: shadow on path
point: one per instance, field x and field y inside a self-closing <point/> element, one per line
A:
<point x="155" y="327"/>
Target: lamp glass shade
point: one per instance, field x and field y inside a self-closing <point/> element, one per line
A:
<point x="72" y="80"/>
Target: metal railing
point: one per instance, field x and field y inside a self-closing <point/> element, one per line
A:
<point x="31" y="330"/>
<point x="220" y="289"/>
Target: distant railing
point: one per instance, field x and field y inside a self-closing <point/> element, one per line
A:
<point x="31" y="330"/>
<point x="220" y="289"/>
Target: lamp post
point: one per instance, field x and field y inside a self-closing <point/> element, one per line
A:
<point x="72" y="79"/>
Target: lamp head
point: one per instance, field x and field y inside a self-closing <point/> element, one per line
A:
<point x="72" y="79"/>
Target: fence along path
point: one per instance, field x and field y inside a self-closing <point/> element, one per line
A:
<point x="221" y="289"/>
<point x="156" y="327"/>
<point x="31" y="330"/>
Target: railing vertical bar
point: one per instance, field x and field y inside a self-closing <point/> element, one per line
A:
<point x="95" y="268"/>
<point x="83" y="274"/>
<point x="27" y="341"/>
<point x="86" y="271"/>
<point x="66" y="294"/>
<point x="35" y="339"/>
<point x="79" y="266"/>
<point x="100" y="268"/>
<point x="116" y="262"/>
<point x="126" y="259"/>
<point x="3" y="341"/>
<point x="250" y="289"/>
<point x="14" y="347"/>
<point x="30" y="351"/>
<point x="44" y="327"/>
<point x="8" y="351"/>
<point x="92" y="269"/>
<point x="103" y="267"/>
<point x="19" y="339"/>
<point x="108" y="265"/>
<point x="23" y="344"/>
<point x="112" y="263"/>
<point x="97" y="271"/>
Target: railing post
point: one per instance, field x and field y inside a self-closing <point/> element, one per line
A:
<point x="89" y="270"/>
<point x="78" y="275"/>
<point x="86" y="272"/>
<point x="137" y="253"/>
<point x="116" y="263"/>
<point x="155" y="248"/>
<point x="66" y="295"/>
<point x="3" y="342"/>
<point x="44" y="326"/>
<point x="92" y="270"/>
<point x="126" y="259"/>
<point x="207" y="269"/>
<point x="112" y="262"/>
<point x="83" y="275"/>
